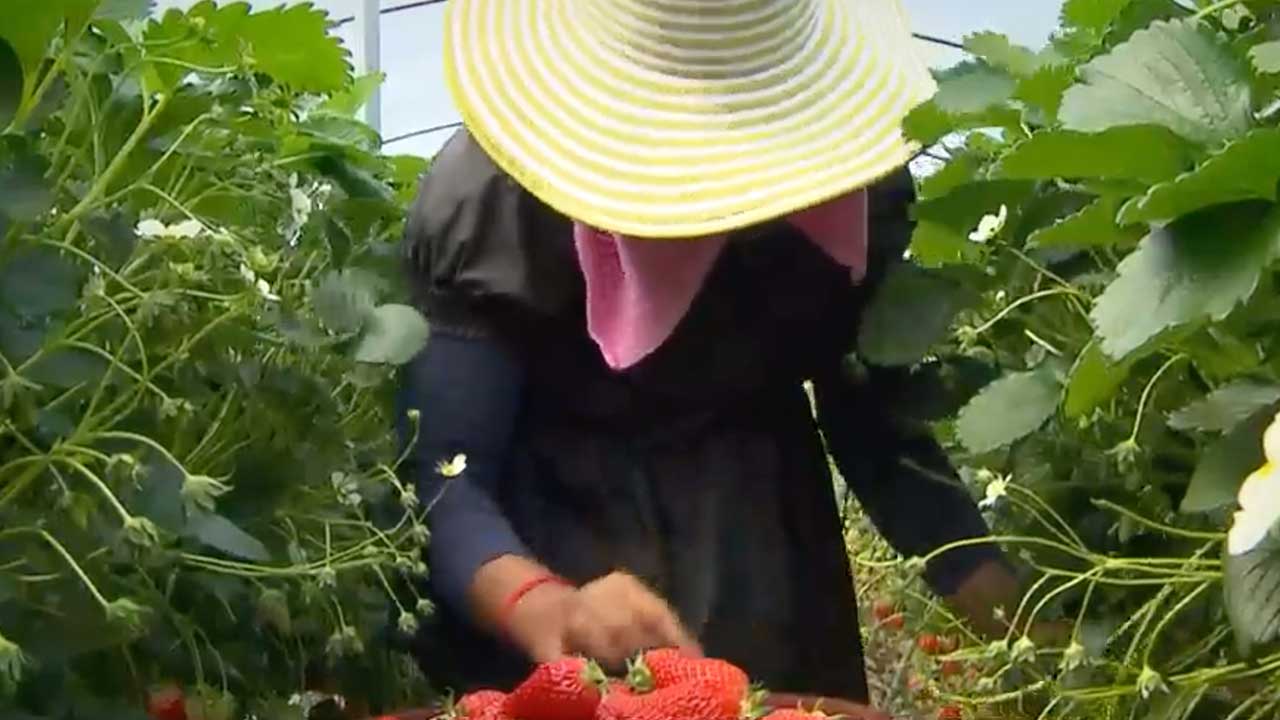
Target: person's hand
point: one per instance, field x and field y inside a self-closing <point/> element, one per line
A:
<point x="609" y="620"/>
<point x="833" y="707"/>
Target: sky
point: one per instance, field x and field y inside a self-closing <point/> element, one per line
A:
<point x="414" y="96"/>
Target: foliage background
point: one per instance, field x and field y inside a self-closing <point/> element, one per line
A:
<point x="1118" y="311"/>
<point x="199" y="279"/>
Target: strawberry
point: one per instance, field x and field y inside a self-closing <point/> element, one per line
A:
<point x="895" y="621"/>
<point x="698" y="699"/>
<point x="619" y="702"/>
<point x="665" y="668"/>
<point x="567" y="689"/>
<point x="167" y="703"/>
<point x="479" y="704"/>
<point x="882" y="610"/>
<point x="951" y="668"/>
<point x="950" y="712"/>
<point x="928" y="643"/>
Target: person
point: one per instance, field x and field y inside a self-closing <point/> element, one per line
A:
<point x="662" y="219"/>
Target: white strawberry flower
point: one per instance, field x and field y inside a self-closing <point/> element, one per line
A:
<point x="454" y="467"/>
<point x="997" y="489"/>
<point x="185" y="230"/>
<point x="990" y="225"/>
<point x="1259" y="498"/>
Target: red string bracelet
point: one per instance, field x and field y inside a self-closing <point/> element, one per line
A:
<point x="528" y="586"/>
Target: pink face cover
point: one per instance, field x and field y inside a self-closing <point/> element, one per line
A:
<point x="639" y="290"/>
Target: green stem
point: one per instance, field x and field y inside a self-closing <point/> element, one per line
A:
<point x="1147" y="393"/>
<point x="1215" y="8"/>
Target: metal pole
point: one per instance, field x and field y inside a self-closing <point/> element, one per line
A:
<point x="371" y="51"/>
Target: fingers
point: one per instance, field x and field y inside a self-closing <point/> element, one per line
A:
<point x="617" y="617"/>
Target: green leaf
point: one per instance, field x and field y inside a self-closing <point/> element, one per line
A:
<point x="349" y="101"/>
<point x="1094" y="226"/>
<point x="972" y="87"/>
<point x="39" y="282"/>
<point x="11" y="79"/>
<point x="1252" y="587"/>
<point x="24" y="194"/>
<point x="1224" y="464"/>
<point x="999" y="52"/>
<point x="935" y="245"/>
<point x="124" y="9"/>
<point x="1044" y="89"/>
<point x="929" y="122"/>
<point x="1226" y="407"/>
<point x="1147" y="153"/>
<point x="293" y="45"/>
<point x="1094" y="380"/>
<point x="962" y="208"/>
<point x="1266" y="57"/>
<point x="1247" y="169"/>
<point x="909" y="313"/>
<point x="29" y="27"/>
<point x="1200" y="267"/>
<point x="1008" y="409"/>
<point x="1178" y="74"/>
<point x="344" y="301"/>
<point x="394" y="335"/>
<point x="220" y="533"/>
<point x="1091" y="15"/>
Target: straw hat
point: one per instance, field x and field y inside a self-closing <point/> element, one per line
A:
<point x="685" y="118"/>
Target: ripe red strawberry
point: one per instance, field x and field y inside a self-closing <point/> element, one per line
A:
<point x="167" y="703"/>
<point x="619" y="702"/>
<point x="691" y="700"/>
<point x="896" y="621"/>
<point x="950" y="712"/>
<point x="882" y="610"/>
<point x="479" y="704"/>
<point x="928" y="643"/>
<point x="658" y="669"/>
<point x="567" y="689"/>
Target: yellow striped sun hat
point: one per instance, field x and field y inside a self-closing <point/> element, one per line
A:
<point x="685" y="118"/>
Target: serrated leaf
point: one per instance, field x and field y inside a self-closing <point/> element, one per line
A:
<point x="1094" y="380"/>
<point x="999" y="52"/>
<point x="393" y="336"/>
<point x="1247" y="169"/>
<point x="1177" y="74"/>
<point x="343" y="301"/>
<point x="1092" y="15"/>
<point x="39" y="282"/>
<point x="1223" y="466"/>
<point x="1266" y="57"/>
<point x="1252" y="588"/>
<point x="1008" y="410"/>
<point x="972" y="87"/>
<point x="909" y="313"/>
<point x="1198" y="268"/>
<point x="1147" y="153"/>
<point x="11" y="78"/>
<point x="293" y="45"/>
<point x="349" y="101"/>
<point x="962" y="208"/>
<point x="24" y="193"/>
<point x="928" y="122"/>
<point x="221" y="534"/>
<point x="1044" y="89"/>
<point x="1094" y="226"/>
<point x="29" y="27"/>
<point x="1226" y="407"/>
<point x="123" y="9"/>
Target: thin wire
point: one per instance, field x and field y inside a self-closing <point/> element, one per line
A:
<point x="424" y="131"/>
<point x="393" y="9"/>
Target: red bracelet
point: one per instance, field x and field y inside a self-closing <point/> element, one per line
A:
<point x="525" y="588"/>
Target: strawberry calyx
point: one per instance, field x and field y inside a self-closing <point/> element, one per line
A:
<point x="639" y="677"/>
<point x="753" y="705"/>
<point x="595" y="676"/>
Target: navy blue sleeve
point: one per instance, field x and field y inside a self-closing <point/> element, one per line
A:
<point x="467" y="391"/>
<point x="916" y="511"/>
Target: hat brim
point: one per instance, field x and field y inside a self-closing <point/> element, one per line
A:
<point x="631" y="141"/>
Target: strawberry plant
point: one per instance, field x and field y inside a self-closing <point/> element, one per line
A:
<point x="1101" y="239"/>
<point x="200" y="311"/>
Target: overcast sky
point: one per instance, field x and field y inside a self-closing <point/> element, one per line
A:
<point x="414" y="96"/>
